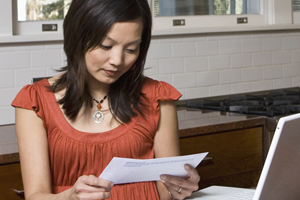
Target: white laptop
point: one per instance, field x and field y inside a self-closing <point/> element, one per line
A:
<point x="280" y="177"/>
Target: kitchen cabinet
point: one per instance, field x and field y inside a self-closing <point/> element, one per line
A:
<point x="10" y="176"/>
<point x="235" y="157"/>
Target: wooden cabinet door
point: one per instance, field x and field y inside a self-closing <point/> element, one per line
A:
<point x="235" y="157"/>
<point x="10" y="179"/>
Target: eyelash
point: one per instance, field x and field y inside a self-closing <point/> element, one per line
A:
<point x="131" y="50"/>
<point x="109" y="47"/>
<point x="105" y="47"/>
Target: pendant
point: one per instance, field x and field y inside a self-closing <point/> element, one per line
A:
<point x="98" y="117"/>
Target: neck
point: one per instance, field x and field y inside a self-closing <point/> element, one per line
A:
<point x="98" y="92"/>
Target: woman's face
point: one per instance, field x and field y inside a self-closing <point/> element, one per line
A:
<point x="116" y="54"/>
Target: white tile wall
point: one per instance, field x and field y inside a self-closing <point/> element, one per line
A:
<point x="15" y="60"/>
<point x="46" y="58"/>
<point x="291" y="70"/>
<point x="184" y="80"/>
<point x="295" y="56"/>
<point x="296" y="81"/>
<point x="158" y="51"/>
<point x="19" y="63"/>
<point x="198" y="65"/>
<point x="262" y="59"/>
<point x="262" y="85"/>
<point x="271" y="44"/>
<point x="281" y="57"/>
<point x="185" y="49"/>
<point x="241" y="88"/>
<point x="230" y="76"/>
<point x="195" y="64"/>
<point x="230" y="46"/>
<point x="282" y="83"/>
<point x="196" y="92"/>
<point x="7" y="79"/>
<point x="219" y="62"/>
<point x="219" y="90"/>
<point x="251" y="45"/>
<point x="207" y="48"/>
<point x="251" y="74"/>
<point x="171" y="66"/>
<point x="291" y="42"/>
<point x="208" y="78"/>
<point x="8" y="141"/>
<point x="272" y="72"/>
<point x="241" y="60"/>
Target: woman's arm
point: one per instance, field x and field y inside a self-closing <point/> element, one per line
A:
<point x="33" y="150"/>
<point x="166" y="141"/>
<point x="35" y="166"/>
<point x="166" y="144"/>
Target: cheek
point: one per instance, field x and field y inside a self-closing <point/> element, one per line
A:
<point x="93" y="59"/>
<point x="131" y="60"/>
<point x="128" y="65"/>
<point x="88" y="59"/>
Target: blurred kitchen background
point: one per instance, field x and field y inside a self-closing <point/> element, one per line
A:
<point x="198" y="64"/>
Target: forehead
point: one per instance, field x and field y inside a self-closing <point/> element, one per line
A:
<point x="127" y="31"/>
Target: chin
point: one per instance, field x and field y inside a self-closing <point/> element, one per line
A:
<point x="109" y="81"/>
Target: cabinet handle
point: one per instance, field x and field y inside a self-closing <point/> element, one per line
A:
<point x="207" y="158"/>
<point x="19" y="192"/>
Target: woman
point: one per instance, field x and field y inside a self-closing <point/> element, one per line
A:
<point x="70" y="126"/>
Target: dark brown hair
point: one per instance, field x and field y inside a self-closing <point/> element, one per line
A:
<point x="86" y="24"/>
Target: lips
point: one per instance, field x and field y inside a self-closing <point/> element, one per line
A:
<point x="111" y="72"/>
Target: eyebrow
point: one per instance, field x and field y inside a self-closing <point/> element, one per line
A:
<point x="133" y="42"/>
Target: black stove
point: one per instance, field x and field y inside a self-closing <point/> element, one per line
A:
<point x="268" y="103"/>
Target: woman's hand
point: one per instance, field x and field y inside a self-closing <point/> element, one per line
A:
<point x="90" y="187"/>
<point x="180" y="188"/>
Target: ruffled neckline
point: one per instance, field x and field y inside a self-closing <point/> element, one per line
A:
<point x="69" y="130"/>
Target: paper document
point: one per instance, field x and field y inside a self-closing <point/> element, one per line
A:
<point x="127" y="170"/>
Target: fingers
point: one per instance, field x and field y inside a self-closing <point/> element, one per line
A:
<point x="190" y="182"/>
<point x="91" y="187"/>
<point x="95" y="195"/>
<point x="182" y="187"/>
<point x="176" y="191"/>
<point x="178" y="187"/>
<point x="193" y="173"/>
<point x="93" y="184"/>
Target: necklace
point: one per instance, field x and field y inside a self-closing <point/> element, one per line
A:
<point x="98" y="115"/>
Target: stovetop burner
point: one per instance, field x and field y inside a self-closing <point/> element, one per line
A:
<point x="270" y="103"/>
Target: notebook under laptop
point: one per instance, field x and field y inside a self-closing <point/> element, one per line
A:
<point x="280" y="177"/>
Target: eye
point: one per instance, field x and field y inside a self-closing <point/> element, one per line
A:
<point x="105" y="47"/>
<point x="131" y="50"/>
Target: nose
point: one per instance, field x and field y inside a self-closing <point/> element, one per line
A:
<point x="116" y="57"/>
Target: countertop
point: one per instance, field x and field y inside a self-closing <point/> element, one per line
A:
<point x="194" y="122"/>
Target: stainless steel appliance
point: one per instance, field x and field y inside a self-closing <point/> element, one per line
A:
<point x="272" y="104"/>
<point x="269" y="103"/>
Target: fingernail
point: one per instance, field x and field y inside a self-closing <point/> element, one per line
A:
<point x="163" y="177"/>
<point x="186" y="166"/>
<point x="112" y="184"/>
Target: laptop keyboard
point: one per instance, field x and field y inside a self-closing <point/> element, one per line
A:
<point x="246" y="195"/>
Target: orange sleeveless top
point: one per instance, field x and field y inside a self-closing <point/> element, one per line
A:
<point x="73" y="153"/>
